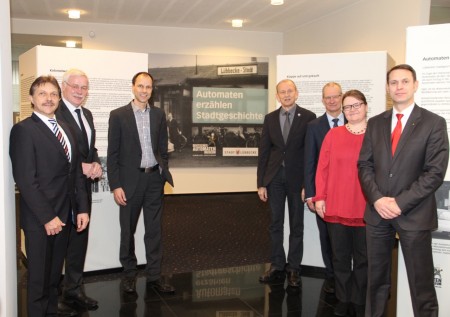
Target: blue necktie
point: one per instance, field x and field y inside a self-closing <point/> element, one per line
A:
<point x="335" y="120"/>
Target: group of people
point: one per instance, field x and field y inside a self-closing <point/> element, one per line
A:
<point x="54" y="163"/>
<point x="366" y="180"/>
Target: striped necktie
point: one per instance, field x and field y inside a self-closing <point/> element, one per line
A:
<point x="60" y="137"/>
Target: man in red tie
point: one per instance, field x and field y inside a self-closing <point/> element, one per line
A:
<point x="403" y="161"/>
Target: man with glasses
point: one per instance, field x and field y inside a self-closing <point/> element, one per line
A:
<point x="280" y="177"/>
<point x="317" y="129"/>
<point x="75" y="86"/>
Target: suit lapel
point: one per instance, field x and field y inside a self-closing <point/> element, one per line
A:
<point x="413" y="120"/>
<point x="153" y="125"/>
<point x="324" y="124"/>
<point x="90" y="121"/>
<point x="49" y="134"/>
<point x="294" y="124"/>
<point x="68" y="117"/>
<point x="131" y="121"/>
<point x="387" y="131"/>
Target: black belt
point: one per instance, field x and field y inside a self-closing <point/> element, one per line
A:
<point x="149" y="170"/>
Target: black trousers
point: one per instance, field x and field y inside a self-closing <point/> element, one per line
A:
<point x="349" y="262"/>
<point x="148" y="197"/>
<point x="76" y="252"/>
<point x="278" y="191"/>
<point x="75" y="257"/>
<point x="417" y="253"/>
<point x="45" y="257"/>
<point x="325" y="246"/>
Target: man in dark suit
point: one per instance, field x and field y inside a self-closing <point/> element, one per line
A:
<point x="317" y="129"/>
<point x="47" y="171"/>
<point x="280" y="176"/>
<point x="402" y="163"/>
<point x="75" y="86"/>
<point x="137" y="171"/>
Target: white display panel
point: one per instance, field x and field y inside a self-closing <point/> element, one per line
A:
<point x="110" y="74"/>
<point x="365" y="71"/>
<point x="427" y="52"/>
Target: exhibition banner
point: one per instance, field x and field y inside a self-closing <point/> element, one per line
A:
<point x="365" y="71"/>
<point x="215" y="107"/>
<point x="429" y="54"/>
<point x="110" y="74"/>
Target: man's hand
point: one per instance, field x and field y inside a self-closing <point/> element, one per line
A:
<point x="54" y="226"/>
<point x="262" y="193"/>
<point x="320" y="208"/>
<point x="82" y="221"/>
<point x="119" y="196"/>
<point x="92" y="170"/>
<point x="387" y="208"/>
<point x="310" y="204"/>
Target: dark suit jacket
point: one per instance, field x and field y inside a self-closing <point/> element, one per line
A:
<point x="315" y="134"/>
<point x="272" y="150"/>
<point x="49" y="185"/>
<point x="124" y="147"/>
<point x="88" y="153"/>
<point x="63" y="113"/>
<point x="412" y="175"/>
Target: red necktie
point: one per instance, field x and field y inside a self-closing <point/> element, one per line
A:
<point x="396" y="133"/>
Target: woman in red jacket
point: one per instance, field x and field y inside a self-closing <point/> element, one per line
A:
<point x="340" y="202"/>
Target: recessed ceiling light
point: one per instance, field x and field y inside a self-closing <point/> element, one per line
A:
<point x="71" y="44"/>
<point x="276" y="2"/>
<point x="237" y="23"/>
<point x="74" y="14"/>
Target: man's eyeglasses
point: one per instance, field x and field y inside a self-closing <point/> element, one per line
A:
<point x="328" y="98"/>
<point x="354" y="106"/>
<point x="76" y="87"/>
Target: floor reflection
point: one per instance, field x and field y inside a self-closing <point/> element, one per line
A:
<point x="227" y="292"/>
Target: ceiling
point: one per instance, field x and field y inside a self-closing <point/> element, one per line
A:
<point x="258" y="15"/>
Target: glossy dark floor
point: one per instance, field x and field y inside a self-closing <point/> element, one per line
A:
<point x="211" y="243"/>
<point x="227" y="292"/>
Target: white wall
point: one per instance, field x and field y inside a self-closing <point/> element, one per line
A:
<point x="366" y="26"/>
<point x="177" y="41"/>
<point x="8" y="272"/>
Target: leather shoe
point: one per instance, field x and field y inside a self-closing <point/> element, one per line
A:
<point x="341" y="309"/>
<point x="328" y="286"/>
<point x="272" y="276"/>
<point x="66" y="311"/>
<point x="294" y="279"/>
<point x="129" y="285"/>
<point x="160" y="287"/>
<point x="80" y="299"/>
<point x="359" y="310"/>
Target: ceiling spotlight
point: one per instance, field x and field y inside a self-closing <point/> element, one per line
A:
<point x="71" y="44"/>
<point x="74" y="14"/>
<point x="276" y="2"/>
<point x="237" y="23"/>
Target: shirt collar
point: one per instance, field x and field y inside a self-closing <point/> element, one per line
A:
<point x="406" y="112"/>
<point x="69" y="105"/>
<point x="137" y="109"/>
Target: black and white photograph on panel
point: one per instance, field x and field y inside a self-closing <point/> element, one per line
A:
<point x="215" y="107"/>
